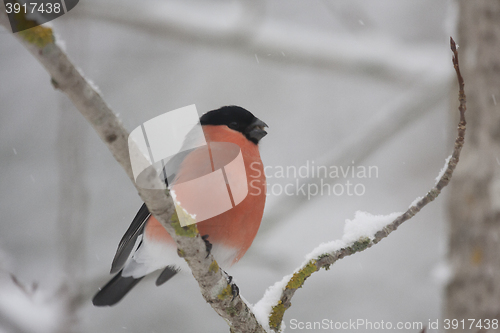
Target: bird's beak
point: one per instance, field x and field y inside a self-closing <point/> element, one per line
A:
<point x="255" y="131"/>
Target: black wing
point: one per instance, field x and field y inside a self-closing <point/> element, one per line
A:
<point x="137" y="227"/>
<point x="128" y="240"/>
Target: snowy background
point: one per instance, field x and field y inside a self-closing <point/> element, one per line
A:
<point x="336" y="81"/>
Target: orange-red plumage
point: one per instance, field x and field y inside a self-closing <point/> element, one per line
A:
<point x="237" y="227"/>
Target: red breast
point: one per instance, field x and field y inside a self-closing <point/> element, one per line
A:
<point x="237" y="227"/>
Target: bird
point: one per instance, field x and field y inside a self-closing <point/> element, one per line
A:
<point x="146" y="246"/>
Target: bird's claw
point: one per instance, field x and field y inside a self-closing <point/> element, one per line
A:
<point x="208" y="245"/>
<point x="235" y="291"/>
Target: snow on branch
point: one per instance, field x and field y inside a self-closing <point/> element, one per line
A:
<point x="359" y="234"/>
<point x="213" y="281"/>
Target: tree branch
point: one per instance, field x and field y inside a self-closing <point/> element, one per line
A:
<point x="284" y="43"/>
<point x="213" y="281"/>
<point x="339" y="249"/>
<point x="393" y="118"/>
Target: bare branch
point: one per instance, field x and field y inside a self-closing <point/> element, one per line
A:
<point x="461" y="93"/>
<point x="390" y="120"/>
<point x="213" y="281"/>
<point x="326" y="259"/>
<point x="284" y="43"/>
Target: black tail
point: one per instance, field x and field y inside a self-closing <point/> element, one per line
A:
<point x="114" y="290"/>
<point x="167" y="274"/>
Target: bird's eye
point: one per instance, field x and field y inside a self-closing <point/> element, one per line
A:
<point x="233" y="125"/>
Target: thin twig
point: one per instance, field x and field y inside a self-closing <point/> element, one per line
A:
<point x="388" y="122"/>
<point x="325" y="260"/>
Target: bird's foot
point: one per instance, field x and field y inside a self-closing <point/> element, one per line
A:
<point x="235" y="291"/>
<point x="208" y="245"/>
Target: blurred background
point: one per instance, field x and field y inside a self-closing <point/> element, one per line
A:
<point x="345" y="83"/>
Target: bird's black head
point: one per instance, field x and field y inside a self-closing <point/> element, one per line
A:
<point x="238" y="119"/>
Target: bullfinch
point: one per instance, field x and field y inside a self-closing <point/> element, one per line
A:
<point x="146" y="246"/>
